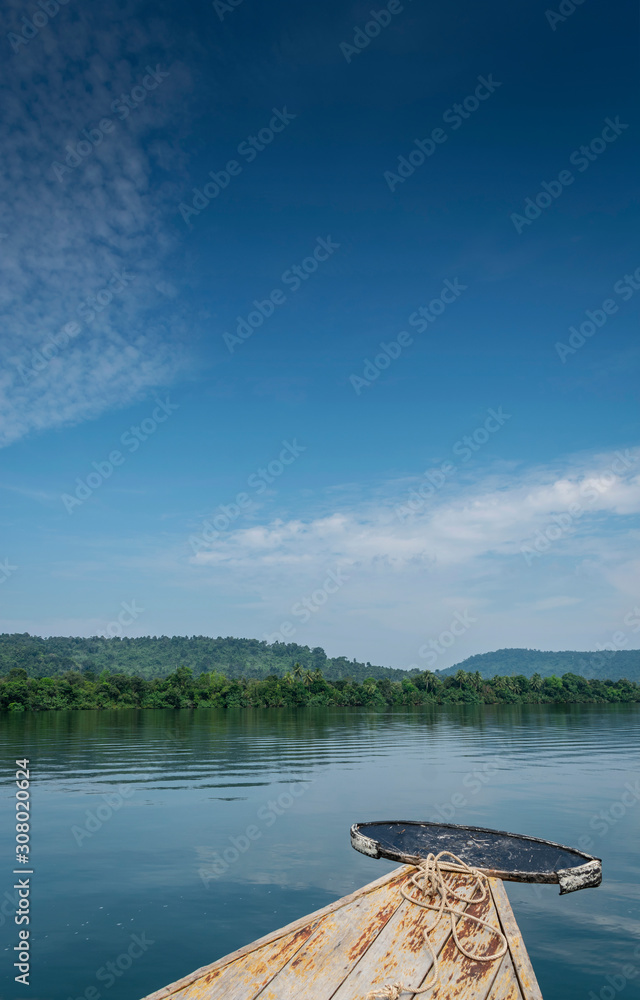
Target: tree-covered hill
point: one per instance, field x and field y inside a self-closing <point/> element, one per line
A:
<point x="152" y="657"/>
<point x="605" y="665"/>
<point x="156" y="657"/>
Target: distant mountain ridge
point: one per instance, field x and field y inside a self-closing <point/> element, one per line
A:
<point x="158" y="656"/>
<point x="604" y="665"/>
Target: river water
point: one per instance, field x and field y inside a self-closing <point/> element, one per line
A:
<point x="163" y="840"/>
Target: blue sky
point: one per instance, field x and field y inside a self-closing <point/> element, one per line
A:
<point x="276" y="250"/>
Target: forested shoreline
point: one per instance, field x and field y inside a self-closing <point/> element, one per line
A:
<point x="299" y="688"/>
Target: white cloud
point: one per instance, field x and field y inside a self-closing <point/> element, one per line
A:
<point x="459" y="552"/>
<point x="551" y="603"/>
<point x="446" y="532"/>
<point x="405" y="581"/>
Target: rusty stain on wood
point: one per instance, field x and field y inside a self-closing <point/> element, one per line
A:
<point x="521" y="961"/>
<point x="366" y="940"/>
<point x="505" y="985"/>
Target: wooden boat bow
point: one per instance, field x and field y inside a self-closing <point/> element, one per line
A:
<point x="372" y="942"/>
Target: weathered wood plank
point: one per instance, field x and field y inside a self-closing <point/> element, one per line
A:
<point x="296" y="925"/>
<point x="399" y="952"/>
<point x="335" y="947"/>
<point x="521" y="961"/>
<point x="464" y="977"/>
<point x="247" y="976"/>
<point x="505" y="985"/>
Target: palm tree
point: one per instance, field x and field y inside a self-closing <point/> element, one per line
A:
<point x="430" y="680"/>
<point x="297" y="671"/>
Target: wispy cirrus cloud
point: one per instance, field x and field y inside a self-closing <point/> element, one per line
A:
<point x="86" y="245"/>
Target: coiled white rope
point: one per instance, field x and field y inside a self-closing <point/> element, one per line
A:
<point x="428" y="879"/>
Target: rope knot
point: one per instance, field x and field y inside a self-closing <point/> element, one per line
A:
<point x="391" y="992"/>
<point x="429" y="880"/>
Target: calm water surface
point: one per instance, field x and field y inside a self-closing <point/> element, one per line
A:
<point x="218" y="827"/>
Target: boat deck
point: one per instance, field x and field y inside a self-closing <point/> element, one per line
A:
<point x="365" y="941"/>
